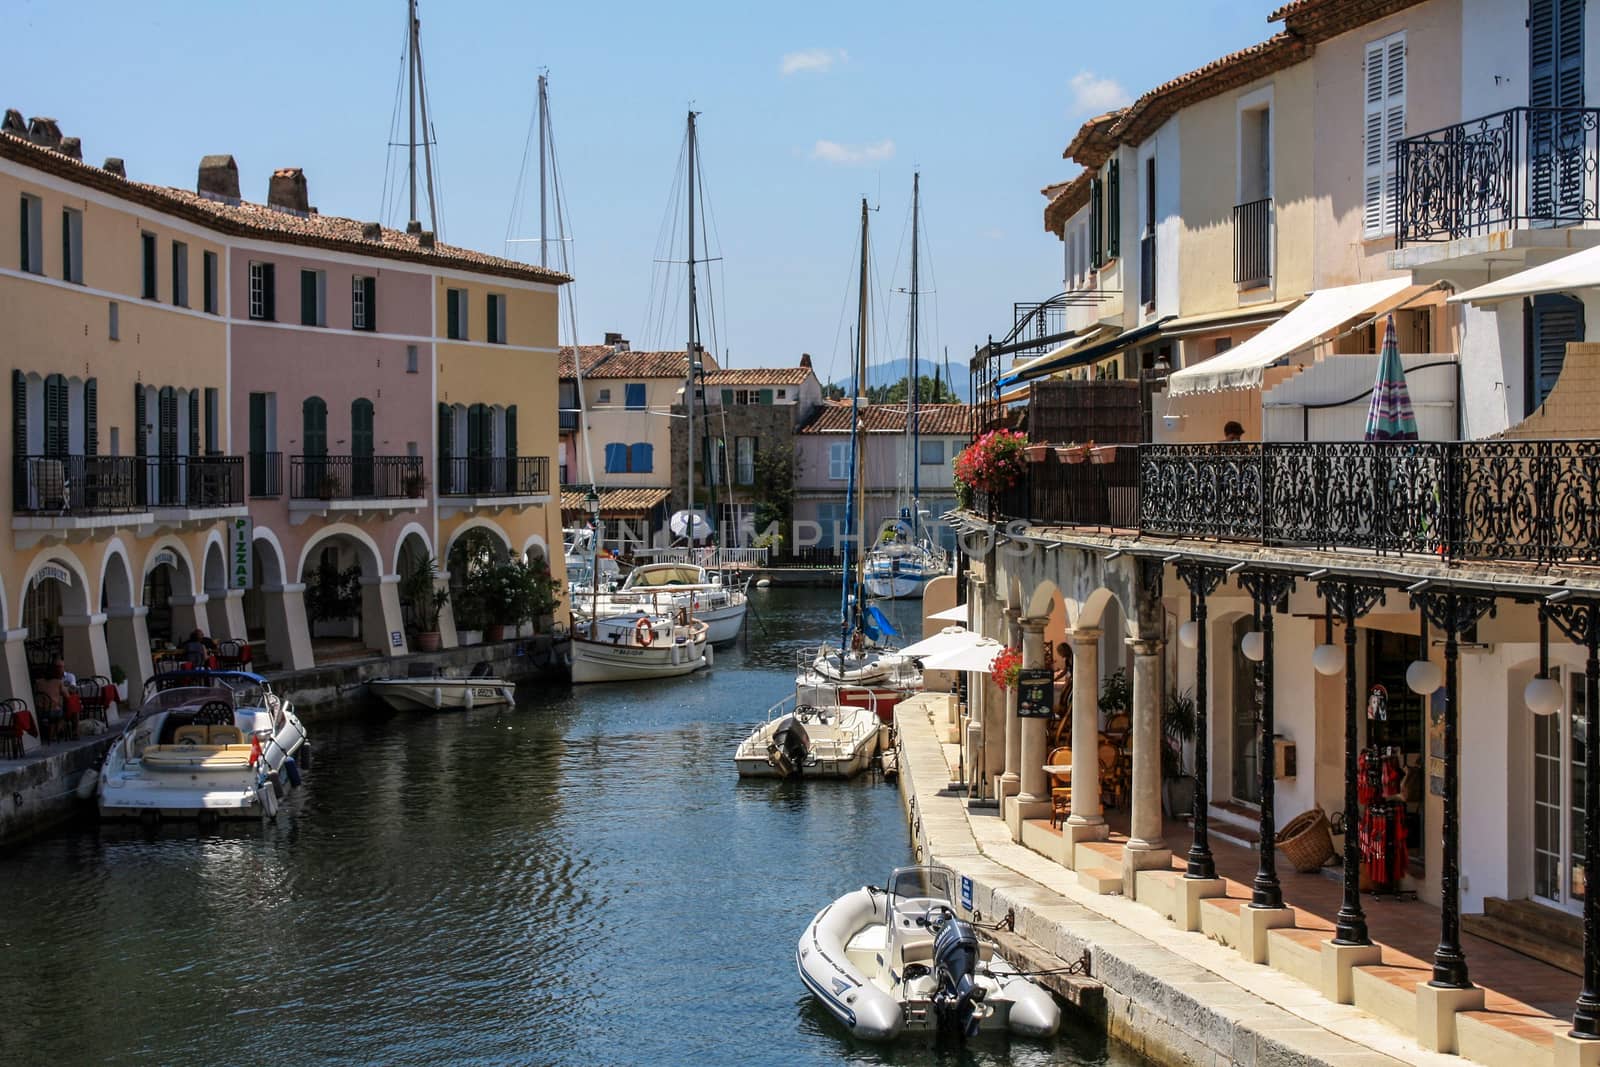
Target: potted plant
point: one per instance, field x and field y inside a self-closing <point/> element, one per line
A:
<point x="414" y="483"/>
<point x="990" y="465"/>
<point x="420" y="588"/>
<point x="469" y="616"/>
<point x="333" y="600"/>
<point x="1115" y="695"/>
<point x="1037" y="453"/>
<point x="1005" y="668"/>
<point x="119" y="678"/>
<point x="1102" y="453"/>
<point x="1073" y="453"/>
<point x="511" y="594"/>
<point x="1177" y="732"/>
<point x="328" y="486"/>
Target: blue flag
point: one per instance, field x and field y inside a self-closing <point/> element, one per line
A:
<point x="879" y="620"/>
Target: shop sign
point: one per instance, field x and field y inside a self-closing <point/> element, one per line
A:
<point x="241" y="560"/>
<point x="165" y="558"/>
<point x="1035" y="693"/>
<point x="54" y="573"/>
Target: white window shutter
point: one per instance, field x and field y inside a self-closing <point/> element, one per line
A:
<point x="1373" y="94"/>
<point x="1384" y="113"/>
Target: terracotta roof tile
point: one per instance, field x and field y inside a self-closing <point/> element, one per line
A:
<point x="834" y="417"/>
<point x="1067" y="203"/>
<point x="592" y="355"/>
<point x="244" y="219"/>
<point x="613" y="501"/>
<point x="1094" y="144"/>
<point x="760" y="376"/>
<point x="1319" y="20"/>
<point x="1142" y="118"/>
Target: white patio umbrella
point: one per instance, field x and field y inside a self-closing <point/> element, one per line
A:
<point x="955" y="614"/>
<point x="978" y="656"/>
<point x="950" y="639"/>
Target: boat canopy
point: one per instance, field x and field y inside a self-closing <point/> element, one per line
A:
<point x="660" y="574"/>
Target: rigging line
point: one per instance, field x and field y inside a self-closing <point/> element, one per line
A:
<point x="656" y="319"/>
<point x="522" y="175"/>
<point x="844" y="307"/>
<point x="394" y="129"/>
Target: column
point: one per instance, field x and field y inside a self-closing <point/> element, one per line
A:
<point x="383" y="625"/>
<point x="1035" y="783"/>
<point x="226" y="612"/>
<point x="1086" y="809"/>
<point x="17" y="681"/>
<point x="83" y="644"/>
<point x="128" y="642"/>
<point x="1145" y="830"/>
<point x="1011" y="781"/>
<point x="448" y="638"/>
<point x="1586" y="1015"/>
<point x="288" y="632"/>
<point x="189" y="615"/>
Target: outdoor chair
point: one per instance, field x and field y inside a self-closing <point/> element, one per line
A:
<point x="1060" y="787"/>
<point x="230" y="656"/>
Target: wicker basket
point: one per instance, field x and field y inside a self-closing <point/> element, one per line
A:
<point x="1307" y="840"/>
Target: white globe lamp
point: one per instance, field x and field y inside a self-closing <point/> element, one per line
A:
<point x="1254" y="646"/>
<point x="1543" y="696"/>
<point x="1328" y="659"/>
<point x="1424" y="677"/>
<point x="1189" y="635"/>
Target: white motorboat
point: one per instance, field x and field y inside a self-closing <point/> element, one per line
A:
<point x="204" y="744"/>
<point x="638" y="647"/>
<point x="890" y="961"/>
<point x="902" y="571"/>
<point x="686" y="585"/>
<point x="867" y="677"/>
<point x="810" y="742"/>
<point x="435" y="692"/>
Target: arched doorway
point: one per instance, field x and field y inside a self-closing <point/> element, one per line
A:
<point x="127" y="637"/>
<point x="471" y="553"/>
<point x="56" y="614"/>
<point x="350" y="611"/>
<point x="224" y="613"/>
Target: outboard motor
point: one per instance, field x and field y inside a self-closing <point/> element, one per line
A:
<point x="955" y="961"/>
<point x="789" y="748"/>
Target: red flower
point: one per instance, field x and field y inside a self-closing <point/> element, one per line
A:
<point x="1005" y="668"/>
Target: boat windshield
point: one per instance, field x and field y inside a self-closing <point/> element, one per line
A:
<point x="924" y="884"/>
<point x="189" y="698"/>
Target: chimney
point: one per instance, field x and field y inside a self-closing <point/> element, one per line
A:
<point x="805" y="360"/>
<point x="424" y="238"/>
<point x="45" y="133"/>
<point x="72" y="147"/>
<point x="617" y="342"/>
<point x="113" y="165"/>
<point x="287" y="190"/>
<point x="413" y="227"/>
<point x="219" y="177"/>
<point x="372" y="231"/>
<point x="13" y="123"/>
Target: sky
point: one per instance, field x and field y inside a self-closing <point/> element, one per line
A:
<point x="804" y="109"/>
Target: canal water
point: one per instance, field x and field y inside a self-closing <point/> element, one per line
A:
<point x="581" y="879"/>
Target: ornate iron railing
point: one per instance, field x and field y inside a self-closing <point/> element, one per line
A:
<point x="1252" y="243"/>
<point x="355" y="477"/>
<point x="101" y="485"/>
<point x="1524" y="166"/>
<point x="266" y="474"/>
<point x="494" y="476"/>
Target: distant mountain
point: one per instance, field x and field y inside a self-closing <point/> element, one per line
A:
<point x="891" y="371"/>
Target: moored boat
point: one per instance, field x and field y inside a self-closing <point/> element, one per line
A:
<point x="641" y="646"/>
<point x="836" y="741"/>
<point x="900" y="959"/>
<point x="204" y="744"/>
<point x="434" y="692"/>
<point x="866" y="677"/>
<point x="686" y="585"/>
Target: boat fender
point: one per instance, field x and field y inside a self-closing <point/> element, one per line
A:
<point x="304" y="755"/>
<point x="291" y="770"/>
<point x="87" y="783"/>
<point x="466" y="698"/>
<point x="438" y="698"/>
<point x="708" y="654"/>
<point x="267" y="799"/>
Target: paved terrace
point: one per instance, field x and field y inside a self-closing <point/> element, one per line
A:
<point x="1191" y="995"/>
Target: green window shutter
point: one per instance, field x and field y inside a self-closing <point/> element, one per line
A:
<point x="314" y="422"/>
<point x="727" y="398"/>
<point x="91" y="417"/>
<point x="369" y="288"/>
<point x="19" y="413"/>
<point x="140" y="420"/>
<point x="167" y="421"/>
<point x="1113" y="210"/>
<point x="511" y="432"/>
<point x="446" y="425"/>
<point x="766" y="396"/>
<point x="1096" y="224"/>
<point x="308" y="298"/>
<point x="55" y="416"/>
<point x="194" y="422"/>
<point x="27" y="240"/>
<point x="361" y="428"/>
<point x="269" y="292"/>
<point x="452" y="315"/>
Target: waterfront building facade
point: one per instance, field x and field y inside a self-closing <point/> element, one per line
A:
<point x="215" y="400"/>
<point x="1334" y="606"/>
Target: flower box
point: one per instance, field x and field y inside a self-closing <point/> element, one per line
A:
<point x="1103" y="454"/>
<point x="1037" y="453"/>
<point x="1072" y="453"/>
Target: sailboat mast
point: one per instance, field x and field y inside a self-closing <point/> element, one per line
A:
<point x="411" y="90"/>
<point x="544" y="129"/>
<point x="694" y="335"/>
<point x="915" y="380"/>
<point x="860" y="443"/>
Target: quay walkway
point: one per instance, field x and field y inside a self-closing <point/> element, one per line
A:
<point x="1188" y="996"/>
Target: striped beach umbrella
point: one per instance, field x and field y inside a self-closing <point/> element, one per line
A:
<point x="1390" y="417"/>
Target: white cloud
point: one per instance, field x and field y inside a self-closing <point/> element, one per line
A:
<point x="1093" y="95"/>
<point x="850" y="154"/>
<point x="812" y="60"/>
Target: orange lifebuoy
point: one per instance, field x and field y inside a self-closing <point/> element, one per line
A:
<point x="644" y="633"/>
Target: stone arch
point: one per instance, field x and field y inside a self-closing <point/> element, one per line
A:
<point x="409" y="530"/>
<point x="180" y="551"/>
<point x="269" y="558"/>
<point x="172" y="600"/>
<point x="1043" y="598"/>
<point x="75" y="594"/>
<point x="375" y="618"/>
<point x="366" y="548"/>
<point x="535" y="548"/>
<point x="116" y="577"/>
<point x="214" y="566"/>
<point x="1091" y="612"/>
<point x="475" y="523"/>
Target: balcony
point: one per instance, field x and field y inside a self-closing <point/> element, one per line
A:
<point x="1509" y="180"/>
<point x="1252" y="244"/>
<point x="321" y="485"/>
<point x="471" y="483"/>
<point x="1522" y="501"/>
<point x="266" y="474"/>
<point x="60" y="495"/>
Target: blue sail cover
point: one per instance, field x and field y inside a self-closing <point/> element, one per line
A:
<point x="877" y="623"/>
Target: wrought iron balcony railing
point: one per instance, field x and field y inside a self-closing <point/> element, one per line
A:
<point x="355" y="477"/>
<point x="1522" y="167"/>
<point x="1252" y="243"/>
<point x="494" y="476"/>
<point x="266" y="474"/>
<point x="106" y="485"/>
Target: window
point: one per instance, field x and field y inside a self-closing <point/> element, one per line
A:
<point x="455" y="311"/>
<point x="313" y="298"/>
<point x="1221" y="345"/>
<point x="111" y="321"/>
<point x="411" y="359"/>
<point x="263" y="291"/>
<point x="641" y="458"/>
<point x="605" y="396"/>
<point x="180" y="274"/>
<point x="1113" y="210"/>
<point x="1384" y="90"/>
<point x="839" y="461"/>
<point x="147" y="242"/>
<point x="213" y="422"/>
<point x="832" y="528"/>
<point x="32" y="254"/>
<point x="1096" y="222"/>
<point x="714" y="454"/>
<point x="1147" y="239"/>
<point x="1553" y="319"/>
<point x="744" y="460"/>
<point x="616" y="458"/>
<point x="364" y="307"/>
<point x="741" y="397"/>
<point x="930" y="453"/>
<point x="208" y="265"/>
<point x="634" y="396"/>
<point x="783" y="394"/>
<point x="497" y="318"/>
<point x="72" y="245"/>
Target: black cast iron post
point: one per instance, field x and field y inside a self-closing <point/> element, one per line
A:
<point x="1581" y="622"/>
<point x="1350" y="599"/>
<point x="1452" y="611"/>
<point x="1202" y="579"/>
<point x="1268" y="588"/>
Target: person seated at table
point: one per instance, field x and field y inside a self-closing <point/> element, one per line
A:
<point x="198" y="648"/>
<point x="59" y="668"/>
<point x="50" y="699"/>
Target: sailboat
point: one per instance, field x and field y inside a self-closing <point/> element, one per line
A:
<point x="653" y="637"/>
<point x="905" y="559"/>
<point x="861" y="671"/>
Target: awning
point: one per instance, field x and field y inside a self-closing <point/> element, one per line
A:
<point x="1082" y="357"/>
<point x="955" y="614"/>
<point x="1093" y="333"/>
<point x="1580" y="270"/>
<point x="1232" y="319"/>
<point x="950" y="639"/>
<point x="1241" y="367"/>
<point x="976" y="657"/>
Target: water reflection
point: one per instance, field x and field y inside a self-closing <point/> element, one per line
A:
<point x="580" y="879"/>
